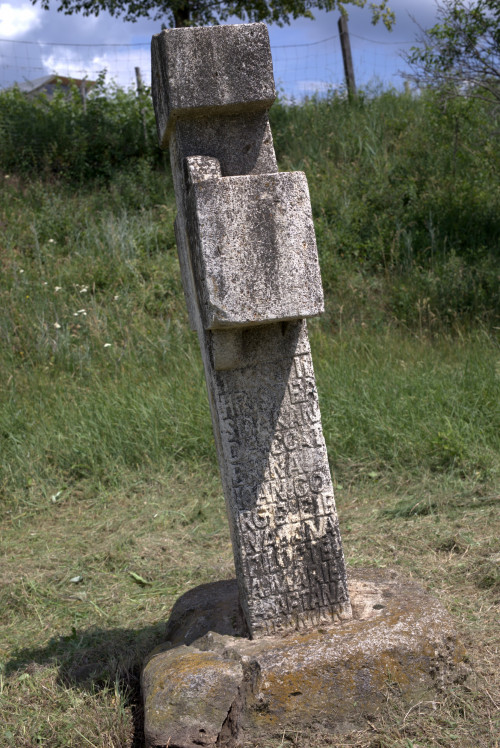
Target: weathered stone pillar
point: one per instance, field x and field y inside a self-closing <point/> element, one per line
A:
<point x="251" y="277"/>
<point x="250" y="273"/>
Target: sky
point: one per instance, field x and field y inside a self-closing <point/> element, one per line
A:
<point x="306" y="54"/>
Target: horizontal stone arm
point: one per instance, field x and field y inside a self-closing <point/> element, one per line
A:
<point x="253" y="246"/>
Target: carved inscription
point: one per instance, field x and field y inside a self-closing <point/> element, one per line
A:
<point x="281" y="493"/>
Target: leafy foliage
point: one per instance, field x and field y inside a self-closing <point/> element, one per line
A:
<point x="462" y="51"/>
<point x="405" y="190"/>
<point x="61" y="136"/>
<point x="204" y="12"/>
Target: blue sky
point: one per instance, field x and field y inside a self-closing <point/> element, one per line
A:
<point x="298" y="70"/>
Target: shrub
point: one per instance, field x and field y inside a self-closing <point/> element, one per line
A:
<point x="60" y="136"/>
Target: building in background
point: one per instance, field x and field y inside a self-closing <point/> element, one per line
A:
<point x="49" y="84"/>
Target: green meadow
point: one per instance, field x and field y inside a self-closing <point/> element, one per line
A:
<point x="110" y="500"/>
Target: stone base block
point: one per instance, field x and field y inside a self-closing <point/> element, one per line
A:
<point x="210" y="685"/>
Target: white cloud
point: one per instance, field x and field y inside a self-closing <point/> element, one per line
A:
<point x="69" y="64"/>
<point x="119" y="62"/>
<point x="15" y="21"/>
<point x="312" y="86"/>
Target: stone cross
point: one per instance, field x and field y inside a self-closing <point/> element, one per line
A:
<point x="251" y="277"/>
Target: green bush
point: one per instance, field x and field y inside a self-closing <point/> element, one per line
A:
<point x="404" y="188"/>
<point x="451" y="291"/>
<point x="60" y="136"/>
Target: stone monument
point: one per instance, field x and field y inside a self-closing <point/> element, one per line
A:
<point x="280" y="647"/>
<point x="251" y="277"/>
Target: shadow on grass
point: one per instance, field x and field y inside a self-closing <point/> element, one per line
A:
<point x="97" y="659"/>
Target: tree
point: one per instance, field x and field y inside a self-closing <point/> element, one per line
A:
<point x="462" y="51"/>
<point x="204" y="12"/>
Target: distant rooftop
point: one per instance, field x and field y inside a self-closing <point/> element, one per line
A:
<point x="48" y="84"/>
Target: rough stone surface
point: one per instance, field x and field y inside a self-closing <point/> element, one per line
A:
<point x="327" y="678"/>
<point x="189" y="693"/>
<point x="279" y="492"/>
<point x="248" y="256"/>
<point x="254" y="248"/>
<point x="209" y="607"/>
<point x="196" y="70"/>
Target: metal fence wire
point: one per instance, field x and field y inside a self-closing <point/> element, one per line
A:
<point x="300" y="69"/>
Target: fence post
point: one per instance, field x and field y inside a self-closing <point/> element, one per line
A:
<point x="83" y="94"/>
<point x="138" y="78"/>
<point x="140" y="93"/>
<point x="346" y="56"/>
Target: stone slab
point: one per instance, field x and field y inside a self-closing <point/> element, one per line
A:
<point x="199" y="70"/>
<point x="279" y="493"/>
<point x="253" y="246"/>
<point x="194" y="701"/>
<point x="326" y="679"/>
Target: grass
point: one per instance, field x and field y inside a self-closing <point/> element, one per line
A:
<point x="111" y="504"/>
<point x="405" y="192"/>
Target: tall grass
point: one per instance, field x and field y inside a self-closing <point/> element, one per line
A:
<point x="109" y="496"/>
<point x="99" y="369"/>
<point x="408" y="406"/>
<point x="102" y="376"/>
<point x="405" y="190"/>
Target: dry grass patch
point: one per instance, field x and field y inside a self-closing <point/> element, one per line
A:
<point x="72" y="650"/>
<point x="86" y="586"/>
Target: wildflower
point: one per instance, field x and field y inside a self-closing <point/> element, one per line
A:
<point x="57" y="288"/>
<point x="52" y="241"/>
<point x="6" y="176"/>
<point x="57" y="325"/>
<point x="80" y="311"/>
<point x="107" y="345"/>
<point x="21" y="270"/>
<point x="115" y="298"/>
<point x="84" y="289"/>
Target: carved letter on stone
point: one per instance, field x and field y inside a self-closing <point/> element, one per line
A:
<point x="251" y="277"/>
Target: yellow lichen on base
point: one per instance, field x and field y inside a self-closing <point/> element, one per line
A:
<point x="399" y="639"/>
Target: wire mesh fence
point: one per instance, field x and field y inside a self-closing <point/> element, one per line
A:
<point x="300" y="69"/>
<point x="317" y="67"/>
